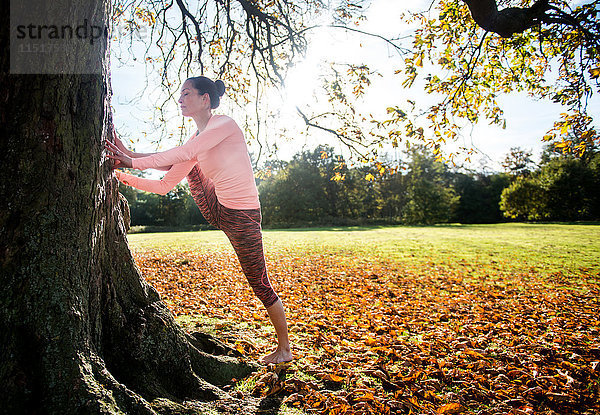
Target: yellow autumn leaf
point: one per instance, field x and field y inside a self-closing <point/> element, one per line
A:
<point x="371" y="341"/>
<point x="332" y="377"/>
<point x="239" y="348"/>
<point x="451" y="408"/>
<point x="364" y="396"/>
<point x="474" y="354"/>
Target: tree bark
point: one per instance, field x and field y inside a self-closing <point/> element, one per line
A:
<point x="80" y="329"/>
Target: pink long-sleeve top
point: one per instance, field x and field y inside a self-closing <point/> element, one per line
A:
<point x="219" y="151"/>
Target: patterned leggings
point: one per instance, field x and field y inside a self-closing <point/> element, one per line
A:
<point x="242" y="227"/>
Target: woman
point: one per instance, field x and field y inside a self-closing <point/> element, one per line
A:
<point x="218" y="169"/>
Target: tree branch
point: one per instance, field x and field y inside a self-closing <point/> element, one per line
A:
<point x="185" y="13"/>
<point x="508" y="21"/>
<point x="343" y="139"/>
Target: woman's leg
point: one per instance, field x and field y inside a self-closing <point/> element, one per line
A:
<point x="283" y="352"/>
<point x="242" y="227"/>
<point x="243" y="230"/>
<point x="203" y="192"/>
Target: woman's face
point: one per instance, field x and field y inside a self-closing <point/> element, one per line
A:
<point x="191" y="102"/>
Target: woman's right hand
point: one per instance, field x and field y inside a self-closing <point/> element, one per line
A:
<point x="119" y="144"/>
<point x="119" y="158"/>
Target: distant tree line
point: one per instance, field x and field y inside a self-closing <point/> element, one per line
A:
<point x="561" y="188"/>
<point x="317" y="187"/>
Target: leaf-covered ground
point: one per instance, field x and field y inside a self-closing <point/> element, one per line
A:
<point x="376" y="333"/>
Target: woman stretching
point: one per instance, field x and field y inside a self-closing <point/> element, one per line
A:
<point x="218" y="169"/>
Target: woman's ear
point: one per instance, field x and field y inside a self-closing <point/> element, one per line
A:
<point x="206" y="99"/>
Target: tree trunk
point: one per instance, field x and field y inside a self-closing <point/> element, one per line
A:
<point x="80" y="329"/>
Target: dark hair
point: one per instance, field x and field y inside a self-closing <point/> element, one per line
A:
<point x="215" y="90"/>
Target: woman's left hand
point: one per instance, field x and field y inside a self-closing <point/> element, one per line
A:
<point x="120" y="159"/>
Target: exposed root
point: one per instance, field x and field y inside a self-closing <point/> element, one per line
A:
<point x="116" y="393"/>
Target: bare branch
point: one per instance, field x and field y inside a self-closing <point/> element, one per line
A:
<point x="185" y="14"/>
<point x="343" y="139"/>
<point x="399" y="49"/>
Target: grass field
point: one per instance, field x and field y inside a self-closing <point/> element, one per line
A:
<point x="442" y="319"/>
<point x="550" y="248"/>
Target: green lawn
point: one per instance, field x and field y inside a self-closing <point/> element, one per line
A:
<point x="543" y="248"/>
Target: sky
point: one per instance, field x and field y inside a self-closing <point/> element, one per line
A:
<point x="527" y="120"/>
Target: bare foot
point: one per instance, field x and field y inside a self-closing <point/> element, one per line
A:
<point x="278" y="356"/>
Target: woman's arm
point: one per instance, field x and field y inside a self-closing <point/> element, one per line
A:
<point x="175" y="174"/>
<point x="119" y="144"/>
<point x="216" y="131"/>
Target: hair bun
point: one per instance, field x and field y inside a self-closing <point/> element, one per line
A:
<point x="220" y="87"/>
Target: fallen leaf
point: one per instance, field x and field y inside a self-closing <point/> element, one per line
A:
<point x="451" y="408"/>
